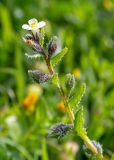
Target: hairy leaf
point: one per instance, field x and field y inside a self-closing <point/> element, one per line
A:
<point x="55" y="79"/>
<point x="79" y="123"/>
<point x="57" y="58"/>
<point x="70" y="83"/>
<point x="42" y="37"/>
<point x="35" y="55"/>
<point x="77" y="94"/>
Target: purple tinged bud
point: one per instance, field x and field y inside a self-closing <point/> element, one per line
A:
<point x="59" y="130"/>
<point x="39" y="77"/>
<point x="36" y="47"/>
<point x="52" y="46"/>
<point x="34" y="43"/>
<point x="98" y="146"/>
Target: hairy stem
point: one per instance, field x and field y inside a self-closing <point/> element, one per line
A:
<point x="69" y="111"/>
<point x="89" y="144"/>
<point x="50" y="68"/>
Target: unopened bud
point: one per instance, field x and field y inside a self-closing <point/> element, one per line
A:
<point x="70" y="82"/>
<point x="52" y="46"/>
<point x="33" y="43"/>
<point x="39" y="77"/>
<point x="59" y="130"/>
<point x="97" y="145"/>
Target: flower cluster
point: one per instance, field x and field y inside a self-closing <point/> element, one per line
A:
<point x="35" y="40"/>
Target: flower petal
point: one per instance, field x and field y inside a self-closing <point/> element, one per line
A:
<point x="33" y="20"/>
<point x="41" y="24"/>
<point x="26" y="26"/>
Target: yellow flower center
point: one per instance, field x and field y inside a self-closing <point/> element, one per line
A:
<point x="34" y="25"/>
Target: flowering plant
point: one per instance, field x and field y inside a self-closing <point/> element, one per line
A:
<point x="72" y="91"/>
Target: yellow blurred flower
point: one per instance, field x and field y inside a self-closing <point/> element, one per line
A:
<point x="76" y="72"/>
<point x="108" y="5"/>
<point x="34" y="92"/>
<point x="61" y="107"/>
<point x="106" y="157"/>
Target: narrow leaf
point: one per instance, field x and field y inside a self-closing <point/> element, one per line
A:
<point x="57" y="58"/>
<point x="31" y="56"/>
<point x="79" y="123"/>
<point x="77" y="94"/>
<point x="44" y="150"/>
<point x="42" y="37"/>
<point x="55" y="79"/>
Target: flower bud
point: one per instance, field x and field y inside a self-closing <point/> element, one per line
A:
<point x="59" y="130"/>
<point x="52" y="46"/>
<point x="70" y="82"/>
<point x="33" y="43"/>
<point x="39" y="77"/>
<point x="36" y="47"/>
<point x="97" y="145"/>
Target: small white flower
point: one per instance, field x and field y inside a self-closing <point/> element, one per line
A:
<point x="11" y="119"/>
<point x="33" y="25"/>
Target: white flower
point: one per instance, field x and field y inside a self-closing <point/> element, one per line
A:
<point x="11" y="119"/>
<point x="33" y="25"/>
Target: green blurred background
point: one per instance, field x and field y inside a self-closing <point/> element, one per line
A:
<point x="86" y="27"/>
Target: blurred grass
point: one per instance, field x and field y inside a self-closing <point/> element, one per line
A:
<point x="87" y="29"/>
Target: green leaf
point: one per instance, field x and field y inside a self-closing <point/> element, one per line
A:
<point x="112" y="158"/>
<point x="55" y="79"/>
<point x="44" y="150"/>
<point x="57" y="58"/>
<point x="79" y="123"/>
<point x="42" y="37"/>
<point x="77" y="94"/>
<point x="31" y="56"/>
<point x="3" y="151"/>
<point x="70" y="83"/>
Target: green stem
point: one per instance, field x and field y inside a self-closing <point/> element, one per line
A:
<point x="69" y="111"/>
<point x="89" y="144"/>
<point x="91" y="147"/>
<point x="50" y="68"/>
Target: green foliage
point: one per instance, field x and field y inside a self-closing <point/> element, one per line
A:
<point x="43" y="35"/>
<point x="57" y="58"/>
<point x="70" y="83"/>
<point x="86" y="28"/>
<point x="79" y="123"/>
<point x="55" y="79"/>
<point x="44" y="150"/>
<point x="77" y="95"/>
